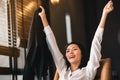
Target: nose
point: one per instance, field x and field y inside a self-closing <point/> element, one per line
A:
<point x="71" y="52"/>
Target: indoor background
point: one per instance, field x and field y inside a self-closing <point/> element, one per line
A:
<point x="70" y="20"/>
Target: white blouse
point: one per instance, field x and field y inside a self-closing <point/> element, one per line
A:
<point x="85" y="73"/>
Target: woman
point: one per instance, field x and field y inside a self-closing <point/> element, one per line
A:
<point x="74" y="53"/>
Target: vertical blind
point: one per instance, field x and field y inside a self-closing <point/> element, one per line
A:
<point x="3" y="23"/>
<point x="24" y="11"/>
<point x="4" y="32"/>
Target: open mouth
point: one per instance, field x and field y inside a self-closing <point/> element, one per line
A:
<point x="71" y="56"/>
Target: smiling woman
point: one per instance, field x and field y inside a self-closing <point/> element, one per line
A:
<point x="74" y="56"/>
<point x="73" y="71"/>
<point x="72" y="51"/>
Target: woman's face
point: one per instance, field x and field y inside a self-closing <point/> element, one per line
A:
<point x="73" y="54"/>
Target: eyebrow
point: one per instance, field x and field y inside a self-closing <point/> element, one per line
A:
<point x="72" y="47"/>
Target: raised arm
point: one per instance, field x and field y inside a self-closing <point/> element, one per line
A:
<point x="107" y="9"/>
<point x="52" y="44"/>
<point x="95" y="53"/>
<point x="43" y="17"/>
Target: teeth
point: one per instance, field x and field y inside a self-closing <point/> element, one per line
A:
<point x="72" y="56"/>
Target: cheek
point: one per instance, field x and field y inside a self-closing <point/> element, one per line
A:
<point x="79" y="55"/>
<point x="66" y="55"/>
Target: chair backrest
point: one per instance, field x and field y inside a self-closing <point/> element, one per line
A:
<point x="103" y="73"/>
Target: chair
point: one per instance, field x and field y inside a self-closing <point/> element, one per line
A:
<point x="103" y="72"/>
<point x="13" y="53"/>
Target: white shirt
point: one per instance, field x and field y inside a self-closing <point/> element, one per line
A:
<point x="86" y="73"/>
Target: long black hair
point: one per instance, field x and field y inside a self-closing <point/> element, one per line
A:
<point x="83" y="52"/>
<point x="39" y="58"/>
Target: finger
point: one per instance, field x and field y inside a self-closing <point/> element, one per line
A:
<point x="112" y="8"/>
<point x="110" y="4"/>
<point x="41" y="7"/>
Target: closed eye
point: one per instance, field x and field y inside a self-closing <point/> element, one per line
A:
<point x="75" y="49"/>
<point x="67" y="51"/>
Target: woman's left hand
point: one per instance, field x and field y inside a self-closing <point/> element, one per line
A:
<point x="108" y="7"/>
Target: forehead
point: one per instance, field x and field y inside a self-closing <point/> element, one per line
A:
<point x="72" y="46"/>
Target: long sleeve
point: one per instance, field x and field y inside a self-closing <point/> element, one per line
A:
<point x="52" y="44"/>
<point x="95" y="54"/>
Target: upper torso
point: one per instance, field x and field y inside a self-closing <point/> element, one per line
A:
<point x="86" y="73"/>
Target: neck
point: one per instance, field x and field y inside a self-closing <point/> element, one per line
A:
<point x="74" y="67"/>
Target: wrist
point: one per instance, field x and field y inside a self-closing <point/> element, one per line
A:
<point x="44" y="21"/>
<point x="43" y="16"/>
<point x="104" y="14"/>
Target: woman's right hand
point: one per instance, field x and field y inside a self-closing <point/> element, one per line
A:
<point x="42" y="13"/>
<point x="43" y="17"/>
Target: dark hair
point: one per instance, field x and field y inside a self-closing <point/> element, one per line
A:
<point x="83" y="52"/>
<point x="36" y="21"/>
